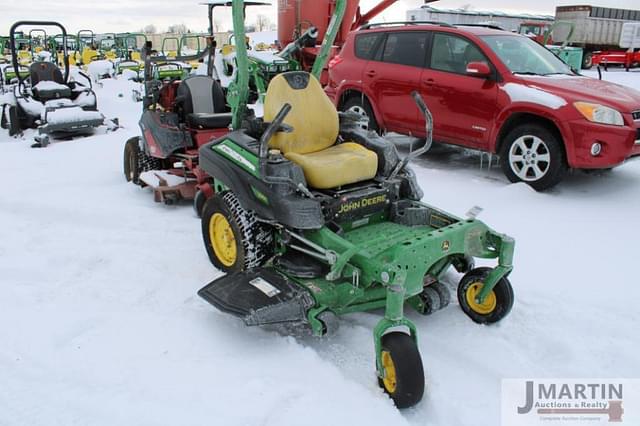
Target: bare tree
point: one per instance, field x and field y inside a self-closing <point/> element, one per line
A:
<point x="178" y="29"/>
<point x="263" y="23"/>
<point x="150" y="29"/>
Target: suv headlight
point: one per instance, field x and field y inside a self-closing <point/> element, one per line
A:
<point x="597" y="113"/>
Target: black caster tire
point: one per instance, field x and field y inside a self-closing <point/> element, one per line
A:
<point x="443" y="293"/>
<point x="430" y="299"/>
<point x="234" y="239"/>
<point x="403" y="378"/>
<point x="496" y="305"/>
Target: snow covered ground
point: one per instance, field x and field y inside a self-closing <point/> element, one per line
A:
<point x="100" y="323"/>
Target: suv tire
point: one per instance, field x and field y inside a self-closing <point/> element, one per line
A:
<point x="360" y="105"/>
<point x="533" y="154"/>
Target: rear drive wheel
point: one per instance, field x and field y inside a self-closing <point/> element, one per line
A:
<point x="14" y="121"/>
<point x="132" y="160"/>
<point x="403" y="374"/>
<point x="361" y="106"/>
<point x="137" y="161"/>
<point x="198" y="202"/>
<point x="533" y="154"/>
<point x="233" y="238"/>
<point x="495" y="306"/>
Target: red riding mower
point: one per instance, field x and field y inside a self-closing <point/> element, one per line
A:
<point x="179" y="115"/>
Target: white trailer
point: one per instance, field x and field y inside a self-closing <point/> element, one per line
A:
<point x="506" y="21"/>
<point x="596" y="28"/>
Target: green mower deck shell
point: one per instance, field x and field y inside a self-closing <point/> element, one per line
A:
<point x="391" y="261"/>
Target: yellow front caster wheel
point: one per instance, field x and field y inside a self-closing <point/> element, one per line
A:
<point x="494" y="307"/>
<point x="402" y="375"/>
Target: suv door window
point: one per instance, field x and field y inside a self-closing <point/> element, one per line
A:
<point x="405" y="48"/>
<point x="452" y="53"/>
<point x="366" y="45"/>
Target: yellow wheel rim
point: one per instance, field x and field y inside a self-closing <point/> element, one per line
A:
<point x="389" y="380"/>
<point x="222" y="239"/>
<point x="485" y="307"/>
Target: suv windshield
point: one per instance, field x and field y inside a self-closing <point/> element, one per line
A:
<point x="524" y="56"/>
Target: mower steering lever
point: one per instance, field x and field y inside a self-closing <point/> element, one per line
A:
<point x="422" y="106"/>
<point x="271" y="130"/>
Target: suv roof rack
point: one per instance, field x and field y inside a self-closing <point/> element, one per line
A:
<point x="388" y="24"/>
<point x="490" y="26"/>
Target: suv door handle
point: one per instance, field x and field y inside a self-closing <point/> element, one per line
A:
<point x="371" y="73"/>
<point x="428" y="82"/>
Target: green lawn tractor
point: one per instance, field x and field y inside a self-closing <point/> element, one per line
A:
<point x="314" y="218"/>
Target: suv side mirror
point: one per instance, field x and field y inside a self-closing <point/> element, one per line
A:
<point x="478" y="69"/>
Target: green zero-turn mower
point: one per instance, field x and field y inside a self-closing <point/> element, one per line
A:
<point x="314" y="218"/>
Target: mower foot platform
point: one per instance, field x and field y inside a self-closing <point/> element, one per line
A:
<point x="259" y="296"/>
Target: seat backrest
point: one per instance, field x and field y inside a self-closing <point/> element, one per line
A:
<point x="313" y="116"/>
<point x="200" y="94"/>
<point x="89" y="54"/>
<point x="45" y="71"/>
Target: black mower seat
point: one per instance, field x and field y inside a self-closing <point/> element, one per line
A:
<point x="200" y="97"/>
<point x="209" y="120"/>
<point x="47" y="90"/>
<point x="47" y="81"/>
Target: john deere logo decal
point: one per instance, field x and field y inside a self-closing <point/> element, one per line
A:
<point x="445" y="245"/>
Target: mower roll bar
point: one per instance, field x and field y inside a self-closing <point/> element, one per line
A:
<point x="32" y="38"/>
<point x="186" y="58"/>
<point x="91" y="36"/>
<point x="14" y="56"/>
<point x="422" y="106"/>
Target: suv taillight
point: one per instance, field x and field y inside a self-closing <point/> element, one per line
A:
<point x="335" y="61"/>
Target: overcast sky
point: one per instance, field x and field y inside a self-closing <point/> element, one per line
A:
<point x="132" y="15"/>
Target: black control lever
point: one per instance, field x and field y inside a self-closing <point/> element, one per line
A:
<point x="272" y="129"/>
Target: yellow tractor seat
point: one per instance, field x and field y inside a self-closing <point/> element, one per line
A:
<point x="336" y="166"/>
<point x="88" y="54"/>
<point x="312" y="143"/>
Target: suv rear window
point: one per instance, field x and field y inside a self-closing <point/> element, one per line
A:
<point x="405" y="48"/>
<point x="366" y="45"/>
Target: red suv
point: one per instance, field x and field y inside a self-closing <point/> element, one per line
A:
<point x="489" y="90"/>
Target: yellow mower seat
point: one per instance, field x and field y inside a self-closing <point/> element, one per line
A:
<point x="336" y="166"/>
<point x="88" y="54"/>
<point x="311" y="144"/>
